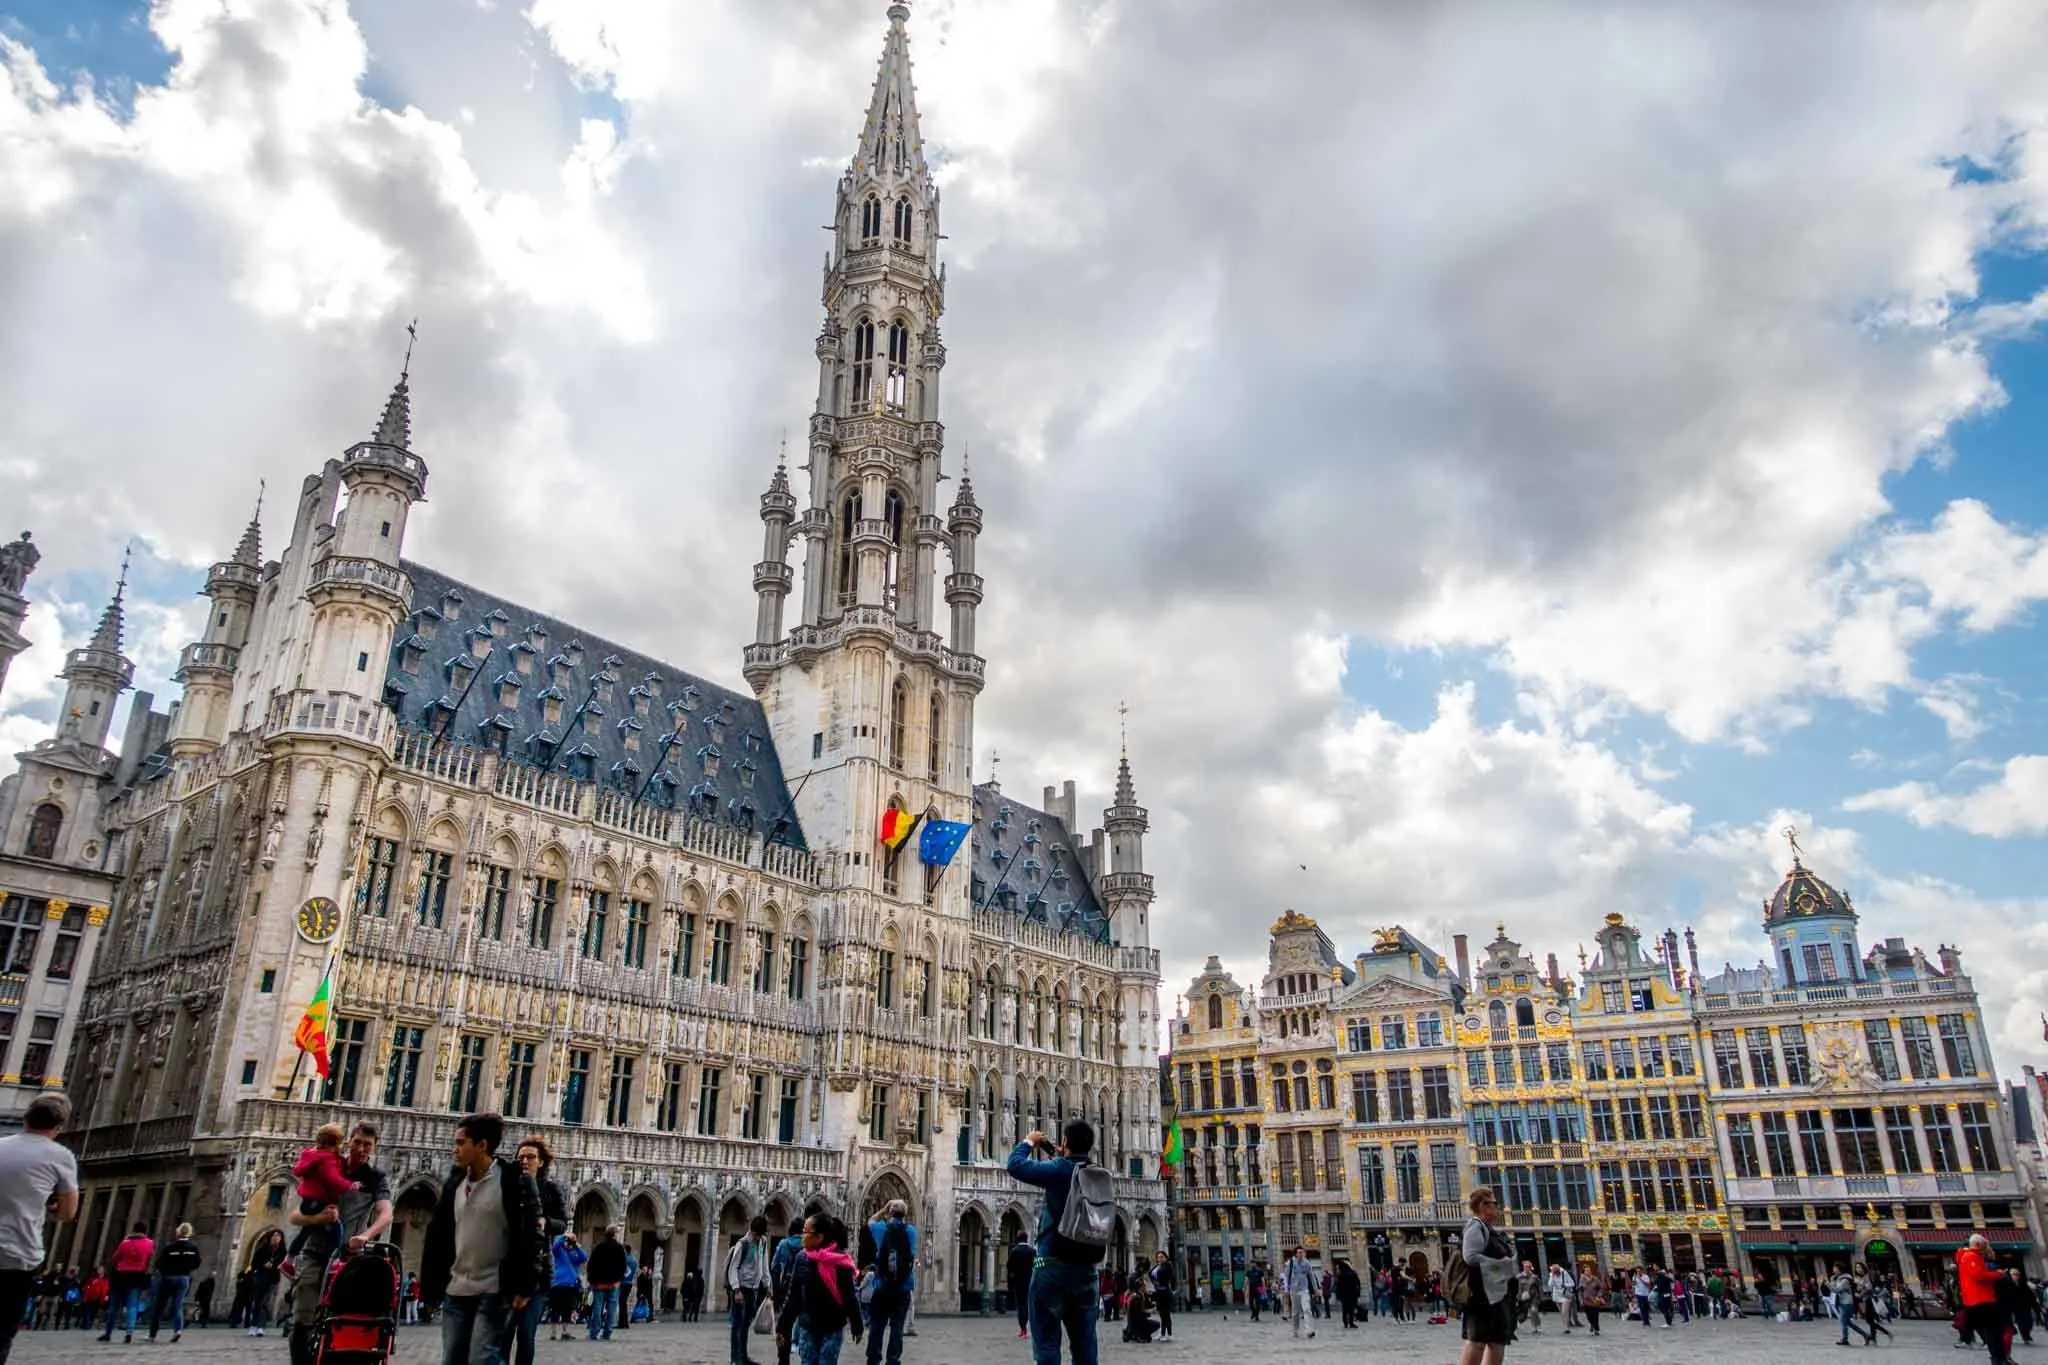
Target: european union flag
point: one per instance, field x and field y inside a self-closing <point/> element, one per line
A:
<point x="940" y="840"/>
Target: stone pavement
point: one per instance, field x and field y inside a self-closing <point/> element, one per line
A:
<point x="1201" y="1337"/>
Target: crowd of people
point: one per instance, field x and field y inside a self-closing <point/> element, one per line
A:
<point x="501" y="1261"/>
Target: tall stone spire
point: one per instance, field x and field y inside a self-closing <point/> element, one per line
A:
<point x="394" y="428"/>
<point x="107" y="638"/>
<point x="97" y="675"/>
<point x="891" y="144"/>
<point x="249" y="550"/>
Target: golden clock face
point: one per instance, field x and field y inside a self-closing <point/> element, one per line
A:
<point x="319" y="918"/>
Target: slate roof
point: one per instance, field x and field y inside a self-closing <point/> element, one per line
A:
<point x="1802" y="893"/>
<point x="522" y="682"/>
<point x="1015" y="868"/>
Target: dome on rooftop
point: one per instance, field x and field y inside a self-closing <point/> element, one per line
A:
<point x="1803" y="894"/>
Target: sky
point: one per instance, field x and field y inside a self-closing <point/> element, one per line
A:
<point x="1513" y="461"/>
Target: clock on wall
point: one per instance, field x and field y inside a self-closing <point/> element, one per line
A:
<point x="319" y="919"/>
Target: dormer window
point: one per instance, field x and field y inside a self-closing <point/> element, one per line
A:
<point x="746" y="771"/>
<point x="629" y="733"/>
<point x="508" y="692"/>
<point x="451" y="603"/>
<point x="458" y="668"/>
<point x="480" y="643"/>
<point x="551" y="707"/>
<point x="425" y="622"/>
<point x="643" y="701"/>
<point x="574" y="653"/>
<point x="593" y="720"/>
<point x="537" y="637"/>
<point x="497" y="622"/>
<point x="709" y="756"/>
<point x="522" y="659"/>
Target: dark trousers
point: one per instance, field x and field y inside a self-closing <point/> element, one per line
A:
<point x="885" y="1319"/>
<point x="1020" y="1295"/>
<point x="745" y="1303"/>
<point x="15" y="1288"/>
<point x="1988" y="1322"/>
<point x="1350" y="1310"/>
<point x="1063" y="1299"/>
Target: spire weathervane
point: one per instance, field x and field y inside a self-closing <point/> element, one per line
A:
<point x="412" y="334"/>
<point x="1791" y="833"/>
<point x="1123" y="728"/>
<point x="121" y="583"/>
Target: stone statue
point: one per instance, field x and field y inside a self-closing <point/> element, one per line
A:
<point x="18" y="559"/>
<point x="314" y="837"/>
<point x="913" y="980"/>
<point x="273" y="836"/>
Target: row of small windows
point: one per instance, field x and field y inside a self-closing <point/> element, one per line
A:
<point x="406" y="1085"/>
<point x="22" y="922"/>
<point x="1038" y="1018"/>
<point x="1756" y="1046"/>
<point x="1861" y="1142"/>
<point x="617" y="931"/>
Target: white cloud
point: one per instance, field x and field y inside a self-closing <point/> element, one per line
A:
<point x="2013" y="803"/>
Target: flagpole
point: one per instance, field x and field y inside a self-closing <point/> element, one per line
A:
<point x="298" y="1063"/>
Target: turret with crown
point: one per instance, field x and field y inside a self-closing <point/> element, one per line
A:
<point x="1813" y="927"/>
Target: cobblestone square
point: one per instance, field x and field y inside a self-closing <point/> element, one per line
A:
<point x="1200" y="1337"/>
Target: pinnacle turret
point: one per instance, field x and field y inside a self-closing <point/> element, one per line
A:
<point x="394" y="428"/>
<point x="107" y="638"/>
<point x="249" y="550"/>
<point x="891" y="143"/>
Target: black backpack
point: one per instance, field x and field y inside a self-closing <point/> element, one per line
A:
<point x="893" y="1260"/>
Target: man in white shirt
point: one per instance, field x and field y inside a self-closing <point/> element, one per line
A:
<point x="38" y="1179"/>
<point x="1564" y="1293"/>
<point x="1301" y="1287"/>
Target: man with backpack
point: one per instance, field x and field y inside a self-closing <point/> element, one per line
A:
<point x="895" y="1281"/>
<point x="780" y="1269"/>
<point x="1075" y="1223"/>
<point x="747" y="1278"/>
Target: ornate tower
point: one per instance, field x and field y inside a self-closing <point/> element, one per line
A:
<point x="1812" y="927"/>
<point x="206" y="667"/>
<point x="1126" y="886"/>
<point x="95" y="677"/>
<point x="871" y="707"/>
<point x="18" y="560"/>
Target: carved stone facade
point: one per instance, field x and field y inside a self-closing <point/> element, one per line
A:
<point x="647" y="918"/>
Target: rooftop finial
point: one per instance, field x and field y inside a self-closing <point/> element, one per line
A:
<point x="412" y="334"/>
<point x="1791" y="833"/>
<point x="782" y="451"/>
<point x="121" y="583"/>
<point x="1123" y="729"/>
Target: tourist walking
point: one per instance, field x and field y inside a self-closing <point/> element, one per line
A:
<point x="818" y="1302"/>
<point x="1842" y="1304"/>
<point x="1490" y="1279"/>
<point x="484" y="1255"/>
<point x="1866" y="1305"/>
<point x="1592" y="1296"/>
<point x="1348" y="1292"/>
<point x="1063" y="1272"/>
<point x="537" y="1159"/>
<point x="38" y="1180"/>
<point x="1564" y="1293"/>
<point x="1530" y="1298"/>
<point x="895" y="1267"/>
<point x="1298" y="1283"/>
<point x="780" y="1267"/>
<point x="1018" y="1273"/>
<point x="605" y="1272"/>
<point x="130" y="1273"/>
<point x="175" y="1263"/>
<point x="1255" y="1288"/>
<point x="746" y="1284"/>
<point x="692" y="1293"/>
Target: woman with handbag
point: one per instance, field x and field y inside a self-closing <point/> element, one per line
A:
<point x="1592" y="1296"/>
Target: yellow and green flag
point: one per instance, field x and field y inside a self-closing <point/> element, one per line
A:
<point x="1172" y="1152"/>
<point x="311" y="1034"/>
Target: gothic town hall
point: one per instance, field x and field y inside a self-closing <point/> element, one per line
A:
<point x="647" y="917"/>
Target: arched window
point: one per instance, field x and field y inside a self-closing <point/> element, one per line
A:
<point x="899" y="714"/>
<point x="1038" y="1017"/>
<point x="1059" y="1018"/>
<point x="935" y="740"/>
<point x="1215" y="1011"/>
<point x="863" y="364"/>
<point x="899" y="365"/>
<point x="1497" y="1020"/>
<point x="988" y="1123"/>
<point x="870" y="219"/>
<point x="43" y="828"/>
<point x="903" y="221"/>
<point x="991" y="1004"/>
<point x="1525" y="1014"/>
<point x="892" y="517"/>
<point x="849" y="570"/>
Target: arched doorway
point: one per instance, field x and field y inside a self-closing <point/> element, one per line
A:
<point x="643" y="1216"/>
<point x="973" y="1252"/>
<point x="686" y="1246"/>
<point x="883" y="1189"/>
<point x="781" y="1213"/>
<point x="1120" y="1247"/>
<point x="593" y="1215"/>
<point x="1148" y="1238"/>
<point x="1881" y="1255"/>
<point x="410" y="1214"/>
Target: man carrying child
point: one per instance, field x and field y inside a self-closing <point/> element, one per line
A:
<point x="358" y="1216"/>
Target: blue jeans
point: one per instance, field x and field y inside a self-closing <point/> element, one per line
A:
<point x="169" y="1302"/>
<point x="604" y="1310"/>
<point x="524" y="1326"/>
<point x="472" y="1325"/>
<point x="889" y="1309"/>
<point x="1063" y="1295"/>
<point x="745" y="1303"/>
<point x="821" y="1350"/>
<point x="124" y="1305"/>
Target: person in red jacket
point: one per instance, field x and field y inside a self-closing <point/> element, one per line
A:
<point x="1977" y="1282"/>
<point x="129" y="1268"/>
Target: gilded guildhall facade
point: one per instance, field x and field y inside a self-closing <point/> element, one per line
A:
<point x="1836" y="1105"/>
<point x="642" y="914"/>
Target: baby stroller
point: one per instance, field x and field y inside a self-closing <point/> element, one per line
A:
<point x="358" y="1322"/>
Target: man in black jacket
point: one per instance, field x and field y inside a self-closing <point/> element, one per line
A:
<point x="485" y="1255"/>
<point x="1022" y="1254"/>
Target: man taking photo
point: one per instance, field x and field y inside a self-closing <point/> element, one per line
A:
<point x="1063" y="1291"/>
